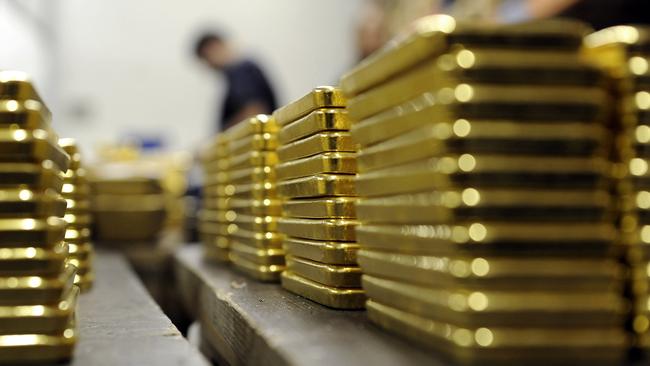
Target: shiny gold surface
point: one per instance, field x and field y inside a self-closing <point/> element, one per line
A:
<point x="329" y="162"/>
<point x="254" y="159"/>
<point x="320" y="208"/>
<point x="26" y="114"/>
<point x="255" y="125"/>
<point x="40" y="176"/>
<point x="263" y="240"/>
<point x="265" y="141"/>
<point x="320" y="97"/>
<point x="33" y="261"/>
<point x="457" y="171"/>
<point x="519" y="308"/>
<point x="328" y="252"/>
<point x="318" y="185"/>
<point x="265" y="257"/>
<point x="37" y="348"/>
<point x="476" y="102"/>
<point x="134" y="186"/>
<point x="17" y="85"/>
<point x="318" y="229"/>
<point x="497" y="345"/>
<point x="338" y="298"/>
<point x="486" y="136"/>
<point x="36" y="290"/>
<point x="540" y="274"/>
<point x="31" y="232"/>
<point x="30" y="203"/>
<point x="315" y="144"/>
<point x="31" y="146"/>
<point x="340" y="276"/>
<point x="266" y="273"/>
<point x="445" y="206"/>
<point x="320" y="120"/>
<point x="256" y="223"/>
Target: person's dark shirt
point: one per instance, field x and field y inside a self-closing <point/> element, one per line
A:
<point x="246" y="84"/>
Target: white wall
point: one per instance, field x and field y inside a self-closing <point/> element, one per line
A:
<point x="127" y="66"/>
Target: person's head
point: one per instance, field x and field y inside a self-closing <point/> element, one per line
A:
<point x="212" y="49"/>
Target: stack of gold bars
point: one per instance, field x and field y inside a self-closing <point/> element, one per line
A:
<point x="486" y="224"/>
<point x="37" y="295"/>
<point x="624" y="51"/>
<point x="316" y="180"/>
<point x="76" y="191"/>
<point x="253" y="207"/>
<point x="213" y="226"/>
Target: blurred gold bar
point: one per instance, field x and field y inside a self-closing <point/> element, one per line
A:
<point x="318" y="229"/>
<point x="319" y="143"/>
<point x="320" y="208"/>
<point x="30" y="203"/>
<point x="330" y="162"/>
<point x="320" y="120"/>
<point x="32" y="261"/>
<point x="321" y="97"/>
<point x="328" y="252"/>
<point x="31" y="146"/>
<point x="339" y="298"/>
<point x="266" y="273"/>
<point x="318" y="185"/>
<point x="36" y="290"/>
<point x="264" y="257"/>
<point x="36" y="176"/>
<point x="340" y="276"/>
<point x="25" y="114"/>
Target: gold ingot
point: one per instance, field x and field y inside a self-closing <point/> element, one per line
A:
<point x="433" y="36"/>
<point x="328" y="252"/>
<point x="17" y="85"/>
<point x="26" y="114"/>
<point x="255" y="125"/>
<point x="36" y="290"/>
<point x="320" y="120"/>
<point x="486" y="307"/>
<point x="543" y="274"/>
<point x="340" y="276"/>
<point x="584" y="239"/>
<point x="485" y="102"/>
<point x="38" y="348"/>
<point x="264" y="257"/>
<point x="262" y="240"/>
<point x="255" y="191"/>
<point x="318" y="185"/>
<point x="34" y="261"/>
<point x="71" y="147"/>
<point x="321" y="208"/>
<point x="257" y="223"/>
<point x="31" y="146"/>
<point x="31" y="176"/>
<point x="448" y="206"/>
<point x="467" y="170"/>
<point x="318" y="229"/>
<point x="30" y="203"/>
<point x="486" y="136"/>
<point x="259" y="142"/>
<point x="330" y="162"/>
<point x="337" y="298"/>
<point x="316" y="144"/>
<point x="265" y="273"/>
<point x="39" y="319"/>
<point x="32" y="232"/>
<point x="321" y="97"/>
<point x="495" y="345"/>
<point x="254" y="159"/>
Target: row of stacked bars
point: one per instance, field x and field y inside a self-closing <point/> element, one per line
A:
<point x="316" y="181"/>
<point x="252" y="205"/>
<point x="486" y="225"/>
<point x="624" y="52"/>
<point x="37" y="295"/>
<point x="76" y="192"/>
<point x="213" y="226"/>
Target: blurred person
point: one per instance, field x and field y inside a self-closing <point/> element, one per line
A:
<point x="248" y="91"/>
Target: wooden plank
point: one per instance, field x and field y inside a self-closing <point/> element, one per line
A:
<point x="251" y="323"/>
<point x="120" y="324"/>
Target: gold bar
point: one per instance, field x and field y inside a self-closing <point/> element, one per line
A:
<point x="31" y="146"/>
<point x="133" y="186"/>
<point x="318" y="143"/>
<point x="320" y="120"/>
<point x="259" y="256"/>
<point x="485" y="102"/>
<point x="35" y="290"/>
<point x="33" y="261"/>
<point x="266" y="273"/>
<point x="255" y="125"/>
<point x="512" y="239"/>
<point x="26" y="114"/>
<point x="258" y="142"/>
<point x="256" y="223"/>
<point x="320" y="208"/>
<point x="498" y="273"/>
<point x="487" y="136"/>
<point x="433" y="35"/>
<point x="337" y="298"/>
<point x="30" y="203"/>
<point x="17" y="85"/>
<point x="482" y="346"/>
<point x="262" y="240"/>
<point x="331" y="162"/>
<point x="321" y="97"/>
<point x="77" y="235"/>
<point x="518" y="308"/>
<point x="256" y="191"/>
<point x="325" y="274"/>
<point x="39" y="319"/>
<point x="254" y="159"/>
<point x="33" y="176"/>
<point x="611" y="47"/>
<point x="252" y="175"/>
<point x="330" y="252"/>
<point x="37" y="348"/>
<point x="318" y="229"/>
<point x="32" y="232"/>
<point x="447" y="206"/>
<point x="466" y="170"/>
<point x="318" y="185"/>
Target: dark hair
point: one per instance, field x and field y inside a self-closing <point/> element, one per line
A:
<point x="204" y="40"/>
